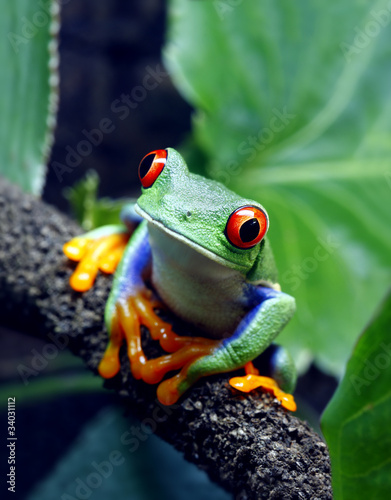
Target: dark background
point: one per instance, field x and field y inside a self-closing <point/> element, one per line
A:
<point x="106" y="50"/>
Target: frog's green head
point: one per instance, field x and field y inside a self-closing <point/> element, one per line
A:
<point x="202" y="213"/>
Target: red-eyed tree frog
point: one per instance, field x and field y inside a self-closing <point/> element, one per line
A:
<point x="204" y="251"/>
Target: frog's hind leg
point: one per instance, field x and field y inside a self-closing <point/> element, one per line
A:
<point x="253" y="335"/>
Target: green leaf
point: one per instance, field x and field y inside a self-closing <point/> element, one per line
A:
<point x="28" y="89"/>
<point x="356" y="423"/>
<point x="293" y="109"/>
<point x="89" y="211"/>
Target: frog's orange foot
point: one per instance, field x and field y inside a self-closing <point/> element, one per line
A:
<point x="129" y="315"/>
<point x="144" y="304"/>
<point x="252" y="381"/>
<point x="102" y="253"/>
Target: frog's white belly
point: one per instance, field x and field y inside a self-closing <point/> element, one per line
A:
<point x="196" y="288"/>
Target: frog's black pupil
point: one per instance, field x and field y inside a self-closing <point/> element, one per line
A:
<point x="249" y="230"/>
<point x="145" y="165"/>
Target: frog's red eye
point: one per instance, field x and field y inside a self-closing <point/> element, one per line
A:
<point x="246" y="227"/>
<point x="151" y="166"/>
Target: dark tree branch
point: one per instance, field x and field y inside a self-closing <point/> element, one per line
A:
<point x="249" y="445"/>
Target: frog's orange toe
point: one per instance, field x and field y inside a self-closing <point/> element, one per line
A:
<point x="75" y="248"/>
<point x="82" y="281"/>
<point x="108" y="262"/>
<point x="167" y="392"/>
<point x="152" y="372"/>
<point x="250" y="382"/>
<point x="287" y="401"/>
<point x="109" y="366"/>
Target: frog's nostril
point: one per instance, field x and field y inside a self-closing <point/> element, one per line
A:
<point x="186" y="215"/>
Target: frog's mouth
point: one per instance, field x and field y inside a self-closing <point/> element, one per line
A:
<point x="190" y="243"/>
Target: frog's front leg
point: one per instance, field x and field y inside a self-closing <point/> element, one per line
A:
<point x="121" y="318"/>
<point x="131" y="305"/>
<point x="253" y="335"/>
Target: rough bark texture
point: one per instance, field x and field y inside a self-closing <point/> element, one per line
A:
<point x="249" y="445"/>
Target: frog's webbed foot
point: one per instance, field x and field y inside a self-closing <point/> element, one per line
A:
<point x="129" y="315"/>
<point x="100" y="249"/>
<point x="252" y="380"/>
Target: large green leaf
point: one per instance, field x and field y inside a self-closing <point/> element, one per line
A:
<point x="356" y="423"/>
<point x="28" y="89"/>
<point x="293" y="109"/>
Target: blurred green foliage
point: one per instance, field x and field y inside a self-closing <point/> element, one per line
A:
<point x="293" y="109"/>
<point x="28" y="89"/>
<point x="90" y="211"/>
